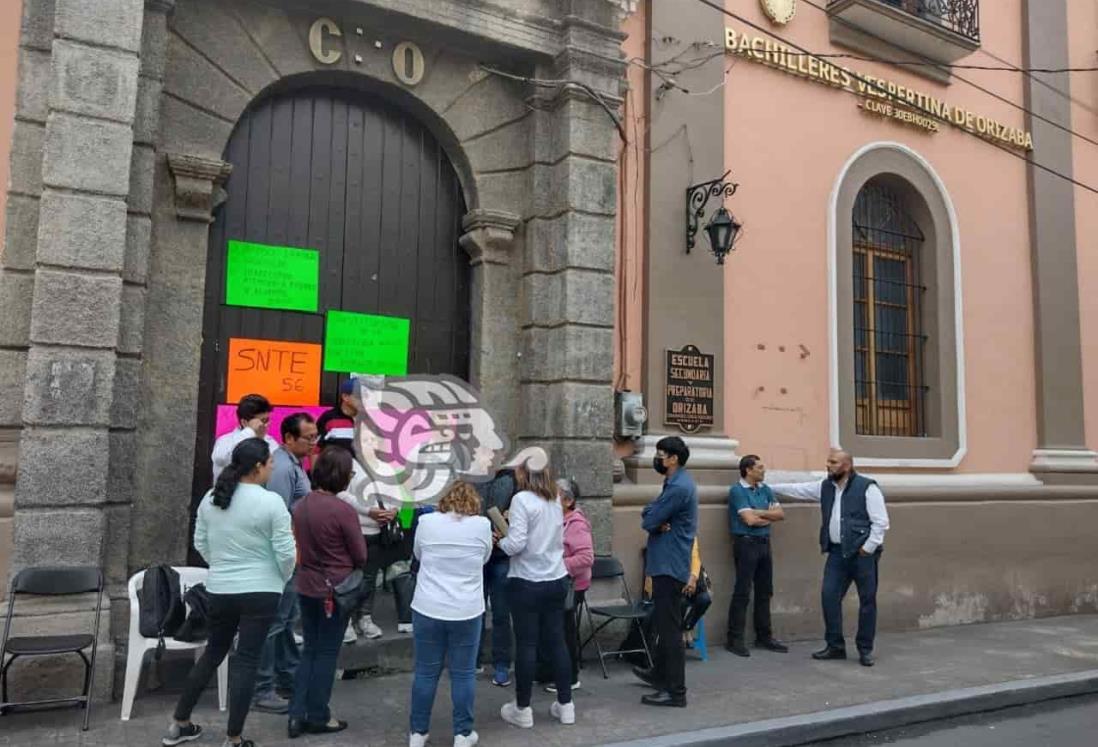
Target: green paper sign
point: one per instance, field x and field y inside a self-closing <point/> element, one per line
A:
<point x="272" y="277"/>
<point x="366" y="344"/>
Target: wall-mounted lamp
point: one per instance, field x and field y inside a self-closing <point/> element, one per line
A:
<point x="722" y="228"/>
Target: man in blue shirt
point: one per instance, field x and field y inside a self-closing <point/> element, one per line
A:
<point x="751" y="510"/>
<point x="278" y="660"/>
<point x="671" y="522"/>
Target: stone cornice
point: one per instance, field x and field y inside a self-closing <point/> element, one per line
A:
<point x="197" y="180"/>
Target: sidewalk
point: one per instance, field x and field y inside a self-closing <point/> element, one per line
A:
<point x="725" y="690"/>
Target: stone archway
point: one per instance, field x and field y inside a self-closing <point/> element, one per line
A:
<point x="538" y="171"/>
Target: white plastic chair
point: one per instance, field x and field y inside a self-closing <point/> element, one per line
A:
<point x="139" y="645"/>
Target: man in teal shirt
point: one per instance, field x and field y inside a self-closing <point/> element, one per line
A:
<point x="751" y="510"/>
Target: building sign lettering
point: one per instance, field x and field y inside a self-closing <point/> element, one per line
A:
<point x="890" y="99"/>
<point x="689" y="391"/>
<point x="409" y="63"/>
<point x="321" y="28"/>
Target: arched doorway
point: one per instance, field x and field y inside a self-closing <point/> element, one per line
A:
<point x="368" y="187"/>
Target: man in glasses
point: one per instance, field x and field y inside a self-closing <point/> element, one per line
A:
<point x="288" y="478"/>
<point x="278" y="660"/>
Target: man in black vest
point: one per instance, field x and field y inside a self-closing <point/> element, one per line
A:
<point x="853" y="525"/>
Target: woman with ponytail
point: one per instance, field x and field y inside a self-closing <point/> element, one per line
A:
<point x="242" y="530"/>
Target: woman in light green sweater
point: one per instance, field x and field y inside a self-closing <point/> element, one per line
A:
<point x="243" y="532"/>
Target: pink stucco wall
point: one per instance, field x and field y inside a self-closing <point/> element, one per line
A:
<point x="1083" y="41"/>
<point x="10" y="14"/>
<point x="787" y="140"/>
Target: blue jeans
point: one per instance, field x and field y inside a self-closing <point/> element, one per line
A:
<point x="453" y="642"/>
<point x="839" y="573"/>
<point x="495" y="587"/>
<point x="537" y="608"/>
<point x="278" y="662"/>
<point x="316" y="670"/>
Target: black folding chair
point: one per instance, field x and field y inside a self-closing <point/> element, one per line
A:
<point x="607" y="567"/>
<point x="52" y="582"/>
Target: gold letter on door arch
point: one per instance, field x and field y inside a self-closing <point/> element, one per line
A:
<point x="316" y="41"/>
<point x="408" y="63"/>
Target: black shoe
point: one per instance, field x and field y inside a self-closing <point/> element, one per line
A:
<point x="866" y="659"/>
<point x="772" y="644"/>
<point x="331" y="727"/>
<point x="647" y="676"/>
<point x="824" y="654"/>
<point x="737" y="648"/>
<point x="664" y="698"/>
<point x="295" y="728"/>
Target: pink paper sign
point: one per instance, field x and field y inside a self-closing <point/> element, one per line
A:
<point x="226" y="418"/>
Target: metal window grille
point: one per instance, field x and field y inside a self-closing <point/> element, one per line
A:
<point x="960" y="16"/>
<point x="889" y="385"/>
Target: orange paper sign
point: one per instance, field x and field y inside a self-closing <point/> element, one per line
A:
<point x="286" y="373"/>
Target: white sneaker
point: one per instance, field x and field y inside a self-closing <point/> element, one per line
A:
<point x="417" y="740"/>
<point x="404" y="628"/>
<point x="563" y="712"/>
<point x="368" y="628"/>
<point x="466" y="741"/>
<point x="299" y="640"/>
<point x="349" y="635"/>
<point x="520" y="717"/>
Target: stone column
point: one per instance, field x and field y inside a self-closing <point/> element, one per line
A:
<point x="61" y="494"/>
<point x="1061" y="440"/>
<point x="489" y="240"/>
<point x="187" y="190"/>
<point x="20" y="244"/>
<point x="568" y="282"/>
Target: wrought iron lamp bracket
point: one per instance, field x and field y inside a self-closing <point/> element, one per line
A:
<point x="697" y="198"/>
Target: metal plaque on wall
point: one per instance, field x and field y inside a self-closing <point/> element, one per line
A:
<point x="689" y="390"/>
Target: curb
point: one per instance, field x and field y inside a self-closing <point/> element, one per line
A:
<point x="881" y="715"/>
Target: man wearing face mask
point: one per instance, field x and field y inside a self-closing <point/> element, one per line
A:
<point x="671" y="522"/>
<point x="852" y="531"/>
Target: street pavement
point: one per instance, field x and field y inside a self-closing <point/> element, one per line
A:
<point x="725" y="690"/>
<point x="1072" y="722"/>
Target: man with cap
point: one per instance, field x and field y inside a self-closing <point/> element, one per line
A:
<point x="336" y="427"/>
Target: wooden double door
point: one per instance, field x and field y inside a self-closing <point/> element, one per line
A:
<point x="369" y="188"/>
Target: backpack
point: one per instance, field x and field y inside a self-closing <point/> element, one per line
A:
<point x="160" y="604"/>
<point x="197" y="625"/>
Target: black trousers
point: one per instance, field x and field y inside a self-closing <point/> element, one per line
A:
<point x="754" y="570"/>
<point x="667" y="620"/>
<point x="571" y="640"/>
<point x="839" y="573"/>
<point x="537" y="615"/>
<point x="251" y="615"/>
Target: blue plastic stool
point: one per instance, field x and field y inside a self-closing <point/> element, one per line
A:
<point x="699" y="640"/>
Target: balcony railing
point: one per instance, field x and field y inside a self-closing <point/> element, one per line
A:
<point x="960" y="16"/>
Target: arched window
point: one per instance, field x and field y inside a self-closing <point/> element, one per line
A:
<point x="897" y="356"/>
<point x="889" y="341"/>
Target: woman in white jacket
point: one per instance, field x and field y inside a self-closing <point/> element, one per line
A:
<point x="536" y="587"/>
<point x="371" y="517"/>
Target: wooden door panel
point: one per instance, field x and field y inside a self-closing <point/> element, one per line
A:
<point x="369" y="188"/>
